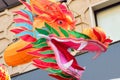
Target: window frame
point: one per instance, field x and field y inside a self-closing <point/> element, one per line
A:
<point x="103" y="9"/>
<point x="100" y="6"/>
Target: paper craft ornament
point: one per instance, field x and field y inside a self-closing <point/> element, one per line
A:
<point x="49" y="35"/>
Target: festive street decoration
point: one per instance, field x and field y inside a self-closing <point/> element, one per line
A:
<point x="3" y="73"/>
<point x="48" y="37"/>
<point x="35" y="17"/>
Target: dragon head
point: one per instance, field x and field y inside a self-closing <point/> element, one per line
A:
<point x="63" y="56"/>
<point x="55" y="14"/>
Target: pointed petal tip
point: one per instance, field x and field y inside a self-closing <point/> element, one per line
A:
<point x="68" y="64"/>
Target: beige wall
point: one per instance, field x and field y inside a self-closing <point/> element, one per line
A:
<point x="82" y="10"/>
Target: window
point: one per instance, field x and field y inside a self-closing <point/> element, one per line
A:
<point x="8" y="4"/>
<point x="109" y="19"/>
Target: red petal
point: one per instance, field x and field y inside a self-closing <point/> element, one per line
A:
<point x="58" y="77"/>
<point x="44" y="48"/>
<point x="26" y="4"/>
<point x="19" y="20"/>
<point x="108" y="40"/>
<point x="45" y="64"/>
<point x="28" y="38"/>
<point x="36" y="8"/>
<point x="22" y="14"/>
<point x="16" y="31"/>
<point x="26" y="47"/>
<point x="101" y="33"/>
<point x="37" y="53"/>
<point x="97" y="34"/>
<point x="40" y="66"/>
<point x="63" y="8"/>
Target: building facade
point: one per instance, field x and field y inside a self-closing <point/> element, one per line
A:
<point x="88" y="13"/>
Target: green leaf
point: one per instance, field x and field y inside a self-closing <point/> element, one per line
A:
<point x="64" y="75"/>
<point x="39" y="41"/>
<point x="54" y="70"/>
<point x="44" y="44"/>
<point x="48" y="26"/>
<point x="42" y="31"/>
<point x="52" y="30"/>
<point x="79" y="35"/>
<point x="47" y="52"/>
<point x="65" y="33"/>
<point x="49" y="60"/>
<point x="55" y="32"/>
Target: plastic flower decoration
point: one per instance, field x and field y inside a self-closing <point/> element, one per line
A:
<point x="3" y="73"/>
<point x="48" y="29"/>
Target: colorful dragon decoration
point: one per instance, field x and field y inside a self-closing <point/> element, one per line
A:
<point x="47" y="36"/>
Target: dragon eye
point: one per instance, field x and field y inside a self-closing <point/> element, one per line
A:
<point x="60" y="22"/>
